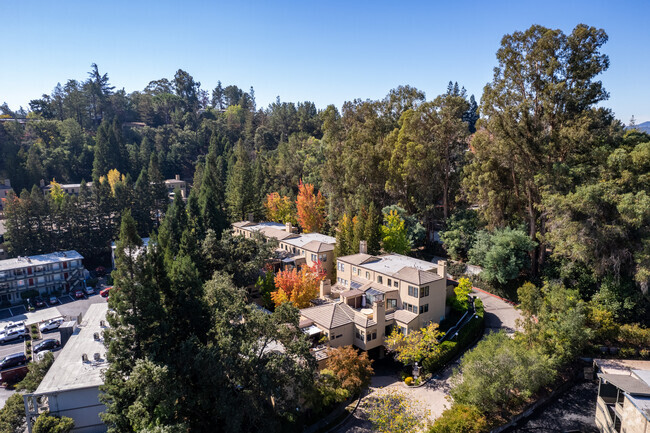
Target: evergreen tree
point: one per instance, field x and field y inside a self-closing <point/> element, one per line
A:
<point x="344" y="236"/>
<point x="210" y="200"/>
<point x="171" y="229"/>
<point x="372" y="230"/>
<point x="240" y="193"/>
<point x="143" y="204"/>
<point x="159" y="197"/>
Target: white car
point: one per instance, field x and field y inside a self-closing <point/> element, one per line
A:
<point x="13" y="325"/>
<point x="41" y="355"/>
<point x="14" y="334"/>
<point x="51" y="325"/>
<point x="89" y="290"/>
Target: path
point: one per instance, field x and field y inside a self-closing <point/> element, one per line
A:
<point x="499" y="314"/>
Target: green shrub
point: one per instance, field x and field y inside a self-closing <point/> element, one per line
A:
<point x="460" y="418"/>
<point x="448" y="349"/>
<point x="47" y="423"/>
<point x="408" y="381"/>
<point x="645" y="353"/>
<point x="28" y="344"/>
<point x="627" y="352"/>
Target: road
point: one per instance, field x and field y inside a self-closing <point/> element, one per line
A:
<point x="499" y="315"/>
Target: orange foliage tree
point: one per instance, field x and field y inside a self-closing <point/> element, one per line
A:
<point x="311" y="208"/>
<point x="279" y="209"/>
<point x="352" y="369"/>
<point x="298" y="286"/>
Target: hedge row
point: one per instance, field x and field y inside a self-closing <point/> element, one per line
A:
<point x="466" y="336"/>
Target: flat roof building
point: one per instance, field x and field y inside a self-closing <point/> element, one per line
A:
<point x="46" y="273"/>
<point x="71" y="386"/>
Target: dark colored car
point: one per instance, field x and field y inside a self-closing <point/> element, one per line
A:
<point x="105" y="292"/>
<point x="13" y="360"/>
<point x="53" y="300"/>
<point x="49" y="344"/>
<point x="78" y="294"/>
<point x="39" y="302"/>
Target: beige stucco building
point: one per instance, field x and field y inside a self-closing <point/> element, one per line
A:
<point x="298" y="249"/>
<point x="623" y="403"/>
<point x="372" y="295"/>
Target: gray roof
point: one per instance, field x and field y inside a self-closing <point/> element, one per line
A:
<point x="417" y="276"/>
<point x="357" y="259"/>
<point x="69" y="371"/>
<point x="353" y="292"/>
<point x="630" y="384"/>
<point x="404" y="316"/>
<point x="333" y="315"/>
<point x="315" y="246"/>
<point x="42" y="259"/>
<point x="314" y="242"/>
<point x="642" y="403"/>
<point x="644" y="375"/>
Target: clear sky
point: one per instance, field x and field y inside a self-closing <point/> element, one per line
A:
<point x="327" y="52"/>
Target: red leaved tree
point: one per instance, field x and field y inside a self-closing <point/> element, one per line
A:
<point x="311" y="208"/>
<point x="298" y="286"/>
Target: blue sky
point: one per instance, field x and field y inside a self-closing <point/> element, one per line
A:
<point x="326" y="52"/>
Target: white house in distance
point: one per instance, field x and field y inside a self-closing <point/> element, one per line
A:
<point x="71" y="386"/>
<point x="145" y="244"/>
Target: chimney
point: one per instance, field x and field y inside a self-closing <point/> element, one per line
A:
<point x="8" y="183"/>
<point x="442" y="268"/>
<point x="325" y="288"/>
<point x="288" y="228"/>
<point x="363" y="247"/>
<point x="379" y="316"/>
<point x="42" y="183"/>
<point x="177" y="177"/>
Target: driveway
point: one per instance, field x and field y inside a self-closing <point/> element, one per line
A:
<point x="499" y="314"/>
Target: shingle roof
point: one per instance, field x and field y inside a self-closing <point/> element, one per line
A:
<point x="349" y="293"/>
<point x="404" y="316"/>
<point x="318" y="247"/>
<point x="417" y="276"/>
<point x="328" y="315"/>
<point x="357" y="259"/>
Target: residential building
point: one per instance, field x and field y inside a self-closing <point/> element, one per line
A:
<point x="373" y="295"/>
<point x="295" y="249"/>
<point x="172" y="184"/>
<point x="46" y="273"/>
<point x="145" y="244"/>
<point x="71" y="386"/>
<point x="3" y="247"/>
<point x="68" y="188"/>
<point x="623" y="402"/>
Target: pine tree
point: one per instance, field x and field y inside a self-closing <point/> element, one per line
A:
<point x="343" y="236"/>
<point x="240" y="193"/>
<point x="210" y="200"/>
<point x="171" y="229"/>
<point x="103" y="158"/>
<point x="372" y="230"/>
<point x="143" y="203"/>
<point x="158" y="191"/>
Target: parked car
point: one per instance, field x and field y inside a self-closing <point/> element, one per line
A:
<point x="41" y="355"/>
<point x="13" y="360"/>
<point x="51" y="325"/>
<point x="89" y="290"/>
<point x="78" y="294"/>
<point x="39" y="302"/>
<point x="12" y="335"/>
<point x="53" y="300"/>
<point x="13" y="325"/>
<point x="49" y="344"/>
<point x="105" y="292"/>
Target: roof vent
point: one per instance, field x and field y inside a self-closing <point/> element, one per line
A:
<point x="84" y="358"/>
<point x="97" y="356"/>
<point x="96" y="336"/>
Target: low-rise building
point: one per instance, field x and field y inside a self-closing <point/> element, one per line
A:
<point x="145" y="244"/>
<point x="46" y="273"/>
<point x="176" y="183"/>
<point x="68" y="188"/>
<point x="375" y="294"/>
<point x="296" y="249"/>
<point x="623" y="402"/>
<point x="71" y="386"/>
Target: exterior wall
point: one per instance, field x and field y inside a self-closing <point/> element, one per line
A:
<point x="632" y="420"/>
<point x="602" y="418"/>
<point x="83" y="406"/>
<point x="346" y="333"/>
<point x="44" y="278"/>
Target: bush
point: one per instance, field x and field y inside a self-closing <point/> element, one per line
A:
<point x="47" y="423"/>
<point x="460" y="418"/>
<point x="29" y="294"/>
<point x="627" y="352"/>
<point x="645" y="353"/>
<point x="408" y="381"/>
<point x="28" y="344"/>
<point x="634" y="335"/>
<point x="457" y="269"/>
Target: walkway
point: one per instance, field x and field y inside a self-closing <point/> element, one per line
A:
<point x="499" y="314"/>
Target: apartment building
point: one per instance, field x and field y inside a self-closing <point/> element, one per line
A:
<point x="71" y="386"/>
<point x="173" y="184"/>
<point x="45" y="273"/>
<point x="623" y="402"/>
<point x="296" y="249"/>
<point x="375" y="294"/>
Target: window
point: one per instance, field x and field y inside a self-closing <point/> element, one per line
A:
<point x="357" y="334"/>
<point x="340" y="266"/>
<point x="313" y="258"/>
<point x="354" y="270"/>
<point x="391" y="303"/>
<point x="413" y="291"/>
<point x="372" y="336"/>
<point x="380" y="279"/>
<point x="323" y="258"/>
<point x="339" y="336"/>
<point x="395" y="284"/>
<point x="390" y="282"/>
<point x="367" y="275"/>
<point x="424" y="291"/>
